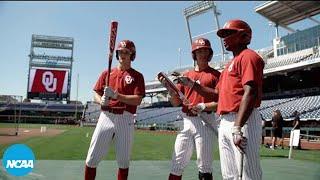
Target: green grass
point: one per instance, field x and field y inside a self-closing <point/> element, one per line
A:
<point x="73" y="145"/>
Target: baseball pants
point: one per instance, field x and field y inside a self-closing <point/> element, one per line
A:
<point x="112" y="126"/>
<point x="230" y="155"/>
<point x="195" y="134"/>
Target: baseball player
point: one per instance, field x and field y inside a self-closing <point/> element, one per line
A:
<point x="118" y="102"/>
<point x="240" y="91"/>
<point x="196" y="86"/>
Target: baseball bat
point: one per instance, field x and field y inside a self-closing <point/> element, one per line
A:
<point x="241" y="166"/>
<point x="112" y="42"/>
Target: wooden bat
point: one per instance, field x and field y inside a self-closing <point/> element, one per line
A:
<point x="112" y="42"/>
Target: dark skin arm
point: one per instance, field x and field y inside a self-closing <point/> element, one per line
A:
<point x="246" y="104"/>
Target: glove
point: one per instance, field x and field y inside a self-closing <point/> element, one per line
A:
<point x="104" y="100"/>
<point x="238" y="139"/>
<point x="185" y="81"/>
<point x="108" y="92"/>
<point x="198" y="108"/>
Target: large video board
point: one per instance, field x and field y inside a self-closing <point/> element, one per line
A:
<point x="49" y="84"/>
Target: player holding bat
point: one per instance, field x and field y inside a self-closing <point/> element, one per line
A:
<point x="119" y="99"/>
<point x="197" y="86"/>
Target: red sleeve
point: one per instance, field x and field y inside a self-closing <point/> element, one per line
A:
<point x="219" y="82"/>
<point x="140" y="86"/>
<point x="100" y="84"/>
<point x="251" y="69"/>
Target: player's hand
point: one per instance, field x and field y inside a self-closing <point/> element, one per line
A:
<point x="108" y="92"/>
<point x="238" y="139"/>
<point x="197" y="109"/>
<point x="185" y="81"/>
<point x="104" y="100"/>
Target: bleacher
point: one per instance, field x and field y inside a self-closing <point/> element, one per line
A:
<point x="309" y="107"/>
<point x="296" y="57"/>
<point x="158" y="115"/>
<point x="41" y="107"/>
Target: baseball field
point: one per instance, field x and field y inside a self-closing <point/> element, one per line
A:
<point x="61" y="150"/>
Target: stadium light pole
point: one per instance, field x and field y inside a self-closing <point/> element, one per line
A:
<point x="77" y="96"/>
<point x="200" y="8"/>
<point x="179" y="50"/>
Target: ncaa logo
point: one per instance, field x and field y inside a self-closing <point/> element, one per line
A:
<point x="18" y="160"/>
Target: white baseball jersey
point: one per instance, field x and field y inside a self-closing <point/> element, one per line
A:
<point x="230" y="155"/>
<point x="195" y="134"/>
<point x="117" y="127"/>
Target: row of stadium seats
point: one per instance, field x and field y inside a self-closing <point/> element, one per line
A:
<point x="309" y="107"/>
<point x="288" y="61"/>
<point x="41" y="107"/>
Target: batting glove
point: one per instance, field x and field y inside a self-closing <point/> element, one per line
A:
<point x="110" y="93"/>
<point x="104" y="100"/>
<point x="198" y="108"/>
<point x="238" y="139"/>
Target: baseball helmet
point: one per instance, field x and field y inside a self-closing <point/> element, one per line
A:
<point x="128" y="45"/>
<point x="199" y="44"/>
<point x="236" y="26"/>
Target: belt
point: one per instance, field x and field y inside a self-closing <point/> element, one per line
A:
<point x="189" y="113"/>
<point x="115" y="111"/>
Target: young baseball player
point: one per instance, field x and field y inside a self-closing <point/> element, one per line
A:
<point x="118" y="102"/>
<point x="240" y="91"/>
<point x="196" y="85"/>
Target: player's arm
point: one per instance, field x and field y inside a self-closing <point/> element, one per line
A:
<point x="133" y="100"/>
<point x="205" y="91"/>
<point x="246" y="104"/>
<point x="97" y="98"/>
<point x="211" y="106"/>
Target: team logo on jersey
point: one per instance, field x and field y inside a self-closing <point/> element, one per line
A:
<point x="230" y="66"/>
<point x="128" y="79"/>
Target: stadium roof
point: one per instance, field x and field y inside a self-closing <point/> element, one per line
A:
<point x="285" y="13"/>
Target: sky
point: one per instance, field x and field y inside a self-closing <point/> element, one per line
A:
<point x="158" y="30"/>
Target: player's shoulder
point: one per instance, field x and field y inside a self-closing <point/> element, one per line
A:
<point x="136" y="73"/>
<point x="187" y="72"/>
<point x="251" y="53"/>
<point x="214" y="71"/>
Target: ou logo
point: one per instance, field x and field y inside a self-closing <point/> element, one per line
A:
<point x="49" y="82"/>
<point x="123" y="44"/>
<point x="201" y="42"/>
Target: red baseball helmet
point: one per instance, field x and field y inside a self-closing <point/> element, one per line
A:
<point x="236" y="26"/>
<point x="199" y="44"/>
<point x="128" y="45"/>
